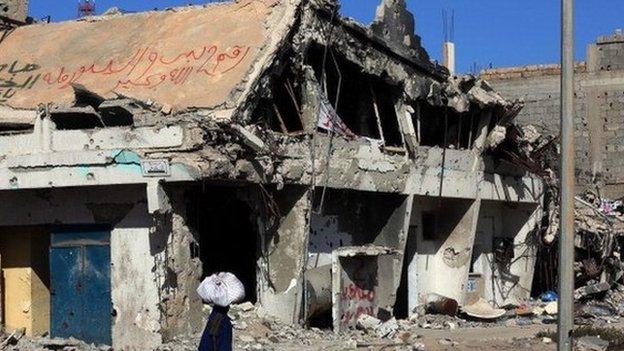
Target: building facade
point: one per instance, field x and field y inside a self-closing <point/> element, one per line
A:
<point x="331" y="166"/>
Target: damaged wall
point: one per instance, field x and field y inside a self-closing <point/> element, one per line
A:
<point x="442" y="233"/>
<point x="348" y="219"/>
<point x="363" y="284"/>
<point x="181" y="306"/>
<point x="283" y="254"/>
<point x="16" y="10"/>
<point x="599" y="104"/>
<point x="134" y="272"/>
<point x="505" y="250"/>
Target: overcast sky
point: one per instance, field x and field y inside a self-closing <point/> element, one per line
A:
<point x="497" y="32"/>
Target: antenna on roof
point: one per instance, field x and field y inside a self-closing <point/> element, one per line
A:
<point x="86" y="8"/>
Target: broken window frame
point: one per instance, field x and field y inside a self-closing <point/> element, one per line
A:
<point x="455" y="130"/>
<point x="274" y="109"/>
<point x="394" y="104"/>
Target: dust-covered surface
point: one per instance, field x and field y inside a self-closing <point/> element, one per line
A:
<point x="153" y="55"/>
<point x="254" y="330"/>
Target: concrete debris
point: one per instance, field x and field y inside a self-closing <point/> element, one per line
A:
<point x="113" y="11"/>
<point x="538" y="310"/>
<point x="546" y="340"/>
<point x="496" y="136"/>
<point x="245" y="306"/>
<point x="166" y="109"/>
<point x="531" y="134"/>
<point x="252" y="141"/>
<point x="483" y="310"/>
<point x="367" y="322"/>
<point x="552" y="308"/>
<point x="387" y="329"/>
<point x="13" y="338"/>
<point x="447" y="342"/>
<point x="591" y="343"/>
<point x="42" y="343"/>
<point x="591" y="289"/>
<point x="396" y="25"/>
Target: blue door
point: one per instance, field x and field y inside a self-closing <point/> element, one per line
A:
<point x="80" y="285"/>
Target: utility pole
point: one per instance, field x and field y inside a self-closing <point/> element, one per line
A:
<point x="566" y="234"/>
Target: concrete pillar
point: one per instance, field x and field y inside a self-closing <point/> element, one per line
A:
<point x="171" y="238"/>
<point x="482" y="131"/>
<point x="440" y="261"/>
<point x="525" y="253"/>
<point x="285" y="250"/>
<point x="448" y="56"/>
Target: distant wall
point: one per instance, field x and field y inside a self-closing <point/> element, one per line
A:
<point x="599" y="102"/>
<point x="14" y="9"/>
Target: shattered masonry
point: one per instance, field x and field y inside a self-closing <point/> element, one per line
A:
<point x="324" y="162"/>
<point x="599" y="110"/>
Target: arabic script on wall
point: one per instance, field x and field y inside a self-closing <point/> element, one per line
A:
<point x="17" y="76"/>
<point x="147" y="68"/>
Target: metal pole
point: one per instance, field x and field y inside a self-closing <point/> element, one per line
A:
<point x="566" y="234"/>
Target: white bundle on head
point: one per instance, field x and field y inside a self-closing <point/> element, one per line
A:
<point x="221" y="289"/>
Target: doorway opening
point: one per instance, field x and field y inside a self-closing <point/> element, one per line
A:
<point x="227" y="235"/>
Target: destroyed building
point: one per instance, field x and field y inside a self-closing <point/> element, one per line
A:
<point x="599" y="106"/>
<point x="330" y="165"/>
<point x="599" y="112"/>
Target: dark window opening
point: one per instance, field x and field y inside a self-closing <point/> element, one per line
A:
<point x="443" y="127"/>
<point x="281" y="110"/>
<point x="108" y="114"/>
<point x="286" y="104"/>
<point x="365" y="103"/>
<point x="116" y="115"/>
<point x="384" y="99"/>
<point x="70" y="120"/>
<point x="92" y="111"/>
<point x="13" y="128"/>
<point x="78" y="120"/>
<point x="429" y="225"/>
<point x="226" y="234"/>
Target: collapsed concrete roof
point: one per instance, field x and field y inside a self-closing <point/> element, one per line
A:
<point x="199" y="56"/>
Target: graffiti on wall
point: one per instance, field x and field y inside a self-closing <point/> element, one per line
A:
<point x="358" y="293"/>
<point x="17" y="76"/>
<point x="356" y="302"/>
<point x="149" y="68"/>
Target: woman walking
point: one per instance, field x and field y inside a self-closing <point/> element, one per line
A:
<point x="219" y="290"/>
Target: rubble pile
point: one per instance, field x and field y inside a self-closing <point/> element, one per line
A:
<point x="599" y="227"/>
<point x="17" y="341"/>
<point x="255" y="330"/>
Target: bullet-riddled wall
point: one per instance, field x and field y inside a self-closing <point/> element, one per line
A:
<point x="439" y="247"/>
<point x="134" y="252"/>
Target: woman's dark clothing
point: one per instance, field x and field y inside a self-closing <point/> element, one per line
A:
<point x="218" y="333"/>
